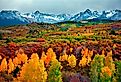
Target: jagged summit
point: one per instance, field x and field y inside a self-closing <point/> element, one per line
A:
<point x="12" y="17"/>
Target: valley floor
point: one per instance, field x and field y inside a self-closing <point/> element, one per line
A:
<point x="69" y="52"/>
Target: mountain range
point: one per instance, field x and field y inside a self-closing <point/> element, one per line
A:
<point x="11" y="17"/>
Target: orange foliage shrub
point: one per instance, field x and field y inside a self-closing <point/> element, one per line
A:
<point x="3" y="66"/>
<point x="83" y="62"/>
<point x="10" y="66"/>
<point x="50" y="56"/>
<point x="86" y="57"/>
<point x="15" y="61"/>
<point x="21" y="57"/>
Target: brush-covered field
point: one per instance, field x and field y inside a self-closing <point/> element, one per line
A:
<point x="62" y="52"/>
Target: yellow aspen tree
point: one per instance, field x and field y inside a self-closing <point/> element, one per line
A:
<point x="15" y="61"/>
<point x="72" y="61"/>
<point x="10" y="66"/>
<point x="43" y="57"/>
<point x="86" y="52"/>
<point x="51" y="53"/>
<point x="24" y="58"/>
<point x="21" y="56"/>
<point x="82" y="51"/>
<point x="83" y="62"/>
<point x="3" y="66"/>
<point x="33" y="70"/>
<point x="50" y="56"/>
<point x="86" y="58"/>
<point x="109" y="61"/>
<point x="63" y="57"/>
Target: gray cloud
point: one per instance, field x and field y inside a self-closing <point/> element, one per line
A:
<point x="59" y="6"/>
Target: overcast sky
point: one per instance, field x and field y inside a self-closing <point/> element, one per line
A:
<point x="59" y="6"/>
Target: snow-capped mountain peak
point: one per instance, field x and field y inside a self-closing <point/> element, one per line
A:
<point x="15" y="17"/>
<point x="88" y="14"/>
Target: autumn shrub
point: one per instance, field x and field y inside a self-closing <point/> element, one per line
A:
<point x="33" y="70"/>
<point x="43" y="57"/>
<point x="54" y="73"/>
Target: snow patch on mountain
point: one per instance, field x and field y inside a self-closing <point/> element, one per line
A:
<point x="15" y="17"/>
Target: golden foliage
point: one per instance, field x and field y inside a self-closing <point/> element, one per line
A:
<point x="47" y="60"/>
<point x="50" y="56"/>
<point x="109" y="61"/>
<point x="106" y="70"/>
<point x="63" y="57"/>
<point x="83" y="62"/>
<point x="71" y="49"/>
<point x="15" y="61"/>
<point x="103" y="52"/>
<point x="3" y="66"/>
<point x="43" y="57"/>
<point x="10" y="66"/>
<point x="21" y="56"/>
<point x="51" y="53"/>
<point x="72" y="61"/>
<point x="86" y="57"/>
<point x="33" y="70"/>
<point x="24" y="58"/>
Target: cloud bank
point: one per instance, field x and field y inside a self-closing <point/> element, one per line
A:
<point x="59" y="6"/>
